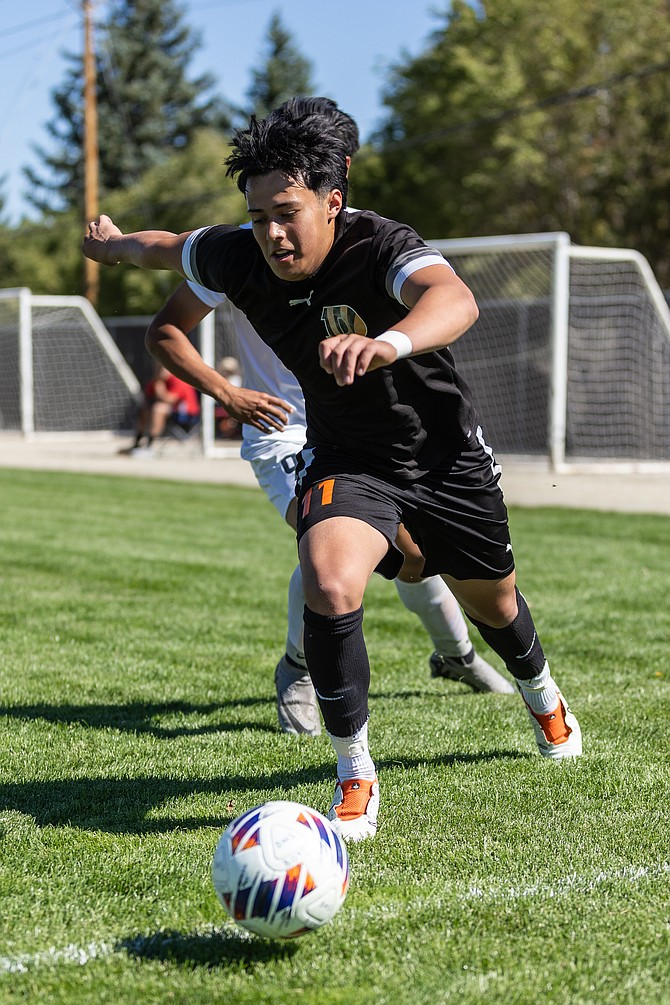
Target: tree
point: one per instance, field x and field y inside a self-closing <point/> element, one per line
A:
<point x="3" y="201"/>
<point x="285" y="73"/>
<point x="187" y="189"/>
<point x="534" y="117"/>
<point x="45" y="256"/>
<point x="147" y="105"/>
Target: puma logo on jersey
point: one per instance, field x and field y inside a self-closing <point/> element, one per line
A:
<point x="305" y="300"/>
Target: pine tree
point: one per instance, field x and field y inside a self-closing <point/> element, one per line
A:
<point x="148" y="107"/>
<point x="285" y="74"/>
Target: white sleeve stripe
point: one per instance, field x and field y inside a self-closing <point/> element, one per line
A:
<point x="208" y="297"/>
<point x="433" y="258"/>
<point x="186" y="253"/>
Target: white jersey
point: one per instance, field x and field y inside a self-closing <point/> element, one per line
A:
<point x="261" y="370"/>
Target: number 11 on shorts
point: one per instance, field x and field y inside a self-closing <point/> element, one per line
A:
<point x="326" y="489"/>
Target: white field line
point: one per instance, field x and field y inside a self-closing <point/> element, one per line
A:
<point x="81" y="955"/>
<point x="565" y="885"/>
<point x="505" y="892"/>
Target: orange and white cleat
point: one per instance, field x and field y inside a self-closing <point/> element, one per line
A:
<point x="557" y="733"/>
<point x="353" y="813"/>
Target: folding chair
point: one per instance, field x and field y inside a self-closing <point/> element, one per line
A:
<point x="187" y="433"/>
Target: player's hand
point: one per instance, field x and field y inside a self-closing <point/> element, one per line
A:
<point x="256" y="408"/>
<point x="98" y="243"/>
<point x="350" y="356"/>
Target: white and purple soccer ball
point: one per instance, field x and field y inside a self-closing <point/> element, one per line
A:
<point x="280" y="870"/>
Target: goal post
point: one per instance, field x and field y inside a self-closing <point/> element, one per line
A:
<point x="62" y="371"/>
<point x="207" y="347"/>
<point x="618" y="408"/>
<point x="570" y="359"/>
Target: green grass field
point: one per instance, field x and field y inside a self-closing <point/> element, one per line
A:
<point x="140" y="623"/>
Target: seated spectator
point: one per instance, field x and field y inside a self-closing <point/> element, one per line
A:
<point x="166" y="397"/>
<point x="228" y="428"/>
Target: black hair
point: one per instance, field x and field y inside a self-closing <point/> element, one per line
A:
<point x="307" y="150"/>
<point x="342" y="123"/>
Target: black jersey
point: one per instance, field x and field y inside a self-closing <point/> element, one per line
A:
<point x="399" y="421"/>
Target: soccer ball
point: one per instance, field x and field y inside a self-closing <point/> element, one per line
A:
<point x="280" y="870"/>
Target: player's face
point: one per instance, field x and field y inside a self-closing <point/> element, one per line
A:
<point x="294" y="226"/>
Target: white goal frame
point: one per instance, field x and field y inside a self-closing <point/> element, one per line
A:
<point x="27" y="302"/>
<point x="563" y="253"/>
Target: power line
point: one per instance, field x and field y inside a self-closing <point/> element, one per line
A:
<point x="217" y="4"/>
<point x="25" y="25"/>
<point x="564" y="98"/>
<point x="29" y="45"/>
<point x="35" y="69"/>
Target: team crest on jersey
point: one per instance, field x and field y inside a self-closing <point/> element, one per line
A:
<point x="343" y="320"/>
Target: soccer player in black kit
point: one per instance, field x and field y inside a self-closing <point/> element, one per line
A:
<point x="363" y="312"/>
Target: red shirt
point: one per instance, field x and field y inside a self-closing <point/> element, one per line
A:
<point x="187" y="397"/>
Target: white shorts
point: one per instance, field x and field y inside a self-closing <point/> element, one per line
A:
<point x="274" y="460"/>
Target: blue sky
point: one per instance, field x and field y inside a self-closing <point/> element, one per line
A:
<point x="351" y="43"/>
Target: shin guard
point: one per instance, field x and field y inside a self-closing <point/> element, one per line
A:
<point x="517" y="644"/>
<point x="338" y="664"/>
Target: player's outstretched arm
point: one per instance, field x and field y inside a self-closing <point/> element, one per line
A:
<point x="442" y="308"/>
<point x="167" y="340"/>
<point x="148" y="249"/>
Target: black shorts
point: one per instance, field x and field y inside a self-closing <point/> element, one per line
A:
<point x="456" y="515"/>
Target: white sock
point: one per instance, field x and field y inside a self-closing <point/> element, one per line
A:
<point x="434" y="603"/>
<point x="540" y="692"/>
<point x="353" y="756"/>
<point x="295" y="646"/>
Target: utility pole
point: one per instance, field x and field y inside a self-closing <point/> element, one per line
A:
<point x="91" y="162"/>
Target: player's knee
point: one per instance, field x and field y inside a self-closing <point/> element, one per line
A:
<point x="331" y="591"/>
<point x="413" y="560"/>
<point x="492" y="617"/>
<point x="493" y="604"/>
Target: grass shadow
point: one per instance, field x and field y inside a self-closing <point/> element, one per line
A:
<point x="125" y="805"/>
<point x="218" y="948"/>
<point x="137" y="716"/>
<point x="121" y="805"/>
<point x="449" y="760"/>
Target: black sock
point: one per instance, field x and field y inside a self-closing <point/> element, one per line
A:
<point x="338" y="665"/>
<point x="517" y="644"/>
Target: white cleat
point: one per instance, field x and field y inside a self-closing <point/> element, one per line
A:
<point x="478" y="674"/>
<point x="148" y="453"/>
<point x="354" y="810"/>
<point x="557" y="734"/>
<point x="297" y="707"/>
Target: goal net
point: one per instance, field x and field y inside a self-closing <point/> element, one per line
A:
<point x="570" y="357"/>
<point x="62" y="371"/>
